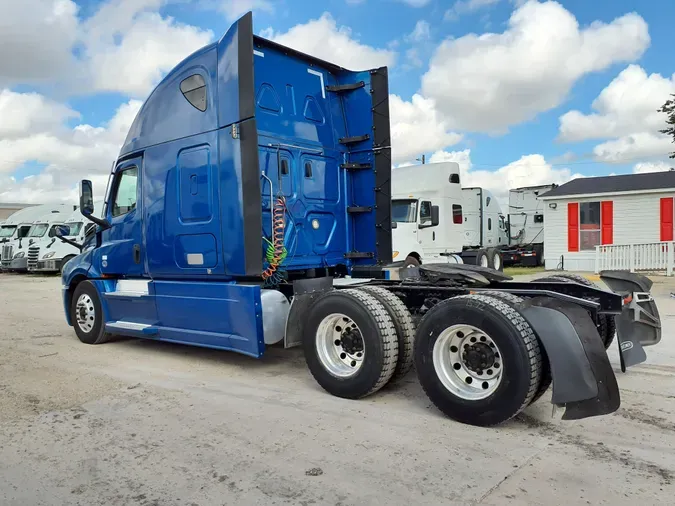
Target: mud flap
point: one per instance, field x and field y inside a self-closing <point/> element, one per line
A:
<point x="305" y="292"/>
<point x="583" y="379"/>
<point x="639" y="323"/>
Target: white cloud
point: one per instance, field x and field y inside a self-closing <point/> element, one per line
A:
<point x="633" y="147"/>
<point x="489" y="82"/>
<point x="125" y="46"/>
<point x="627" y="105"/>
<point x="36" y="40"/>
<point x="324" y="39"/>
<point x="645" y="167"/>
<point x="129" y="48"/>
<point x="234" y="9"/>
<point x="417" y="128"/>
<point x="68" y="155"/>
<point x="421" y="32"/>
<point x="467" y="6"/>
<point x="412" y="57"/>
<point x="24" y="113"/>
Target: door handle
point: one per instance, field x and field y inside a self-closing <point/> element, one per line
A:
<point x="137" y="253"/>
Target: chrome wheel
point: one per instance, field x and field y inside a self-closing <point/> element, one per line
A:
<point x="467" y="362"/>
<point x="85" y="313"/>
<point x="339" y="345"/>
<point x="497" y="261"/>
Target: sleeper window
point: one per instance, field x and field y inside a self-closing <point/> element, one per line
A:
<point x="193" y="89"/>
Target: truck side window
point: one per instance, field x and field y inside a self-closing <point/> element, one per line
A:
<point x="125" y="195"/>
<point x="425" y="211"/>
<point x="457" y="214"/>
<point x="193" y="89"/>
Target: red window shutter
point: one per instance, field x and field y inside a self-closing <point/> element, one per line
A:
<point x="667" y="219"/>
<point x="607" y="221"/>
<point x="573" y="226"/>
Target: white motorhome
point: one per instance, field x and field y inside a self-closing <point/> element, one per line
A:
<point x="14" y="240"/>
<point x="428" y="219"/>
<point x="51" y="254"/>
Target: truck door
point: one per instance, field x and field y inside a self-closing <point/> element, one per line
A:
<point x="122" y="246"/>
<point x="426" y="236"/>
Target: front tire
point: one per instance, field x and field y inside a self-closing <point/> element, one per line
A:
<point x="86" y="314"/>
<point x="462" y="344"/>
<point x="350" y="343"/>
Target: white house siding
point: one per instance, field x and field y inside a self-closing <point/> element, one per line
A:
<point x="636" y="220"/>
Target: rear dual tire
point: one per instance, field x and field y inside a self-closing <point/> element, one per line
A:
<point x="358" y="340"/>
<point x="457" y="383"/>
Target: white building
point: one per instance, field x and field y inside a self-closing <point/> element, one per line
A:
<point x="628" y="216"/>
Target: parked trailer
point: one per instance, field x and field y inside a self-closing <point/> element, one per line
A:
<point x="241" y="202"/>
<point x="14" y="233"/>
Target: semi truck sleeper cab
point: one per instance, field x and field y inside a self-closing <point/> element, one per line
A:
<point x="250" y="206"/>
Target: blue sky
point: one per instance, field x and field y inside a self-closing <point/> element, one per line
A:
<point x="432" y="54"/>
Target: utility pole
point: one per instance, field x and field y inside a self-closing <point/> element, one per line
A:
<point x="421" y="159"/>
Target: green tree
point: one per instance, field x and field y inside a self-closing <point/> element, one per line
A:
<point x="669" y="109"/>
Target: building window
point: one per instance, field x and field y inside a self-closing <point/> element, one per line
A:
<point x="589" y="225"/>
<point x="457" y="214"/>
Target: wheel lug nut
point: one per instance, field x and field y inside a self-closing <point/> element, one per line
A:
<point x="353" y="363"/>
<point x="343" y="356"/>
<point x="457" y="366"/>
<point x="337" y="342"/>
<point x="489" y="371"/>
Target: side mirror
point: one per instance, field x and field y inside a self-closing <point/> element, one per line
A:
<point x="87" y="204"/>
<point x="435" y="216"/>
<point x="60" y="230"/>
<point x="86" y="198"/>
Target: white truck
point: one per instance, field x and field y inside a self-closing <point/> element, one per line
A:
<point x="14" y="240"/>
<point x="519" y="236"/>
<point x="428" y="221"/>
<point x="50" y="254"/>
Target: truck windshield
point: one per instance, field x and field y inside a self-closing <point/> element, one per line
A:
<point x="7" y="231"/>
<point x="74" y="228"/>
<point x="38" y="230"/>
<point x="404" y="211"/>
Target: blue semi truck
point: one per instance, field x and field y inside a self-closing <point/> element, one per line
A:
<point x="250" y="206"/>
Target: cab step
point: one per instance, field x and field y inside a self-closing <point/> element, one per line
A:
<point x="131" y="328"/>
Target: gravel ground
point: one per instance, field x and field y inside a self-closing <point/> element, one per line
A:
<point x="137" y="422"/>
